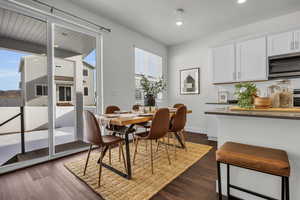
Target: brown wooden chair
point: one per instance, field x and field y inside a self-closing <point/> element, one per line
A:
<point x="92" y="135"/>
<point x="177" y="105"/>
<point x="158" y="129"/>
<point x="177" y="124"/>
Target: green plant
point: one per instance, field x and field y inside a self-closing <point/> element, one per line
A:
<point x="245" y="93"/>
<point x="153" y="88"/>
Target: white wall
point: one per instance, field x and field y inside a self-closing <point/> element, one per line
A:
<point x="118" y="59"/>
<point x="197" y="54"/>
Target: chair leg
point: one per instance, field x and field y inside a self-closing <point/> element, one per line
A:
<point x="135" y="150"/>
<point x="100" y="166"/>
<point x="183" y="139"/>
<point x="122" y="153"/>
<point x="174" y="143"/>
<point x="167" y="151"/>
<point x="87" y="159"/>
<point x="151" y="154"/>
<point x="157" y="145"/>
<point x="219" y="181"/>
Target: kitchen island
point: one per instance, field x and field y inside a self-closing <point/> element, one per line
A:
<point x="262" y="128"/>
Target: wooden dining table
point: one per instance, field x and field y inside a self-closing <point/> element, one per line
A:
<point x="129" y="120"/>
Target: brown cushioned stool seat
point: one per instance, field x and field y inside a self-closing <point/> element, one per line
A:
<point x="267" y="160"/>
<point x="261" y="159"/>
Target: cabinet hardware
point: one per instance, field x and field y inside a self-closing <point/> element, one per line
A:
<point x="297" y="45"/>
<point x="292" y="45"/>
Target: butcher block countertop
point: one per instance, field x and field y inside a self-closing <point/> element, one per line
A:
<point x="279" y="113"/>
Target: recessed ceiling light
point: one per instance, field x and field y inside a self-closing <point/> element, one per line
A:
<point x="179" y="16"/>
<point x="179" y="23"/>
<point x="56" y="45"/>
<point x="241" y="1"/>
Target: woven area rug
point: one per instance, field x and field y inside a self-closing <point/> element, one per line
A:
<point x="143" y="185"/>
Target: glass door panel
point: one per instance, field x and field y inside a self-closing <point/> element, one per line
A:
<point x="75" y="85"/>
<point x="23" y="88"/>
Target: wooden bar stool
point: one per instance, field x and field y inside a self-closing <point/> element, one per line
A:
<point x="266" y="160"/>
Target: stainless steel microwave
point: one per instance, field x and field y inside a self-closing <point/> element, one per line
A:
<point x="285" y="66"/>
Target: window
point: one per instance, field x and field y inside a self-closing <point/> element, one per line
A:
<point x="41" y="90"/>
<point x="64" y="93"/>
<point x="85" y="72"/>
<point x="86" y="91"/>
<point x="149" y="65"/>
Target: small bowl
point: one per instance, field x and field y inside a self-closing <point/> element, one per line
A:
<point x="262" y="102"/>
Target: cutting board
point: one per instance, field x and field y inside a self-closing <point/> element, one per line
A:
<point x="294" y="109"/>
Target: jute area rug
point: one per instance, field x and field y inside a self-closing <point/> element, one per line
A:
<point x="143" y="184"/>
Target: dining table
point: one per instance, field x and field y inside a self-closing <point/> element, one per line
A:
<point x="128" y="120"/>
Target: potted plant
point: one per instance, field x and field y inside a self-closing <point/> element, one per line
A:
<point x="245" y="92"/>
<point x="151" y="89"/>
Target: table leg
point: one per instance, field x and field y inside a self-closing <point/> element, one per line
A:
<point x="179" y="140"/>
<point x="128" y="152"/>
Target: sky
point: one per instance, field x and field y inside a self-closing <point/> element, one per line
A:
<point x="9" y="69"/>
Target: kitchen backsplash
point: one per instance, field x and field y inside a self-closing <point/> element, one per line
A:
<point x="262" y="86"/>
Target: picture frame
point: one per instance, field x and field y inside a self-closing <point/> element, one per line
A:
<point x="223" y="97"/>
<point x="190" y="81"/>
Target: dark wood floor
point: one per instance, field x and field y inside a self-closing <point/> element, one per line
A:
<point x="52" y="181"/>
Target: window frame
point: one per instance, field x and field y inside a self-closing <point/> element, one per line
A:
<point x="65" y="93"/>
<point x="87" y="72"/>
<point x="137" y="76"/>
<point x="44" y="90"/>
<point x="85" y="91"/>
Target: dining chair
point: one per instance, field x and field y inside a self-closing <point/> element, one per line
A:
<point x="177" y="105"/>
<point x="92" y="135"/>
<point x="177" y="124"/>
<point x="159" y="128"/>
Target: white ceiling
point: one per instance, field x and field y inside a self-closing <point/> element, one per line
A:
<point x="21" y="28"/>
<point x="156" y="18"/>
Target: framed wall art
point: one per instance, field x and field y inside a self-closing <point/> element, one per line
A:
<point x="190" y="81"/>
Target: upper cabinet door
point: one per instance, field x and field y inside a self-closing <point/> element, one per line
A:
<point x="223" y="59"/>
<point x="251" y="59"/>
<point x="282" y="43"/>
<point x="297" y="40"/>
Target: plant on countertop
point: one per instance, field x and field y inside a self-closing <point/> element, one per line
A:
<point x="245" y="93"/>
<point x="151" y="89"/>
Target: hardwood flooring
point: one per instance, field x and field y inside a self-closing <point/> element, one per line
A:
<point x="51" y="180"/>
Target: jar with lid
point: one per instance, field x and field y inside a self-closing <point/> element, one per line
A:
<point x="286" y="94"/>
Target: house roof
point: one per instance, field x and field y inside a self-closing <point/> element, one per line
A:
<point x="88" y="65"/>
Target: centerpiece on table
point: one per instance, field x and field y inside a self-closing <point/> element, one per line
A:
<point x="246" y="92"/>
<point x="151" y="89"/>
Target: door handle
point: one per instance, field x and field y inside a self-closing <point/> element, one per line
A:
<point x="239" y="75"/>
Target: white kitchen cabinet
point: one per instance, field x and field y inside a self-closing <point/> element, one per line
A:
<point x="223" y="59"/>
<point x="282" y="43"/>
<point x="297" y="41"/>
<point x="251" y="60"/>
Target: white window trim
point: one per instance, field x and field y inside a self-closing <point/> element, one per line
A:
<point x="35" y="90"/>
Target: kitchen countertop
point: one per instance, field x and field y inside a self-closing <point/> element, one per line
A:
<point x="262" y="114"/>
<point x="216" y="103"/>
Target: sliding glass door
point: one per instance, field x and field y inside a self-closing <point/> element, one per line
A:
<point x="49" y="74"/>
<point x="74" y="80"/>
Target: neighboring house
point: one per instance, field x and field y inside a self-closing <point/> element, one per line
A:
<point x="34" y="84"/>
<point x="10" y="98"/>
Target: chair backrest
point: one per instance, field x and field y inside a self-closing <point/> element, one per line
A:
<point x="136" y="107"/>
<point x="178" y="120"/>
<point x="111" y="109"/>
<point x="92" y="131"/>
<point x="160" y="124"/>
<point x="177" y="105"/>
